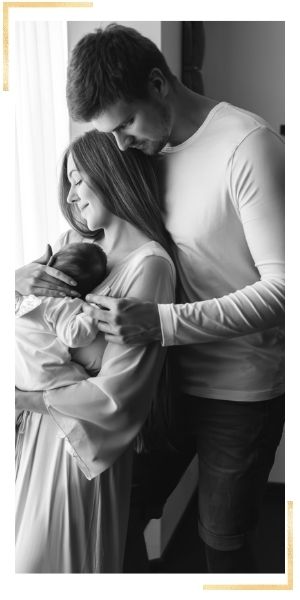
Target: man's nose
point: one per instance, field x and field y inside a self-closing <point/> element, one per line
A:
<point x="72" y="195"/>
<point x="123" y="140"/>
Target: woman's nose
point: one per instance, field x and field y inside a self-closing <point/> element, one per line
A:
<point x="72" y="195"/>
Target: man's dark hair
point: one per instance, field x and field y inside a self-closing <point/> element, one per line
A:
<point x="85" y="262"/>
<point x="110" y="65"/>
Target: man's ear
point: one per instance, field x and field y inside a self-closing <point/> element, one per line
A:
<point x="158" y="85"/>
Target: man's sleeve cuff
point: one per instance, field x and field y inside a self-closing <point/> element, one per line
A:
<point x="166" y="324"/>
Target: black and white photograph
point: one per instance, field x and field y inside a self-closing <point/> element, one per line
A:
<point x="149" y="184"/>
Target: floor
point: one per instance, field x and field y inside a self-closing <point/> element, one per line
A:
<point x="185" y="553"/>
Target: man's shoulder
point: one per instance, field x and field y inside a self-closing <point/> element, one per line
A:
<point x="233" y="126"/>
<point x="240" y="120"/>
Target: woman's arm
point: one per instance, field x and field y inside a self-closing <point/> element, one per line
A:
<point x="102" y="415"/>
<point x="39" y="279"/>
<point x="33" y="401"/>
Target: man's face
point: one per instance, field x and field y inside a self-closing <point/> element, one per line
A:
<point x="143" y="124"/>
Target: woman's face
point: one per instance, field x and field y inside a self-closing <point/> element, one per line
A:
<point x="89" y="204"/>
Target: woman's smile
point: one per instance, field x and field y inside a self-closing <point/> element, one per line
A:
<point x="91" y="205"/>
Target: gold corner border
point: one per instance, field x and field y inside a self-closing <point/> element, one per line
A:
<point x="285" y="586"/>
<point x="7" y="6"/>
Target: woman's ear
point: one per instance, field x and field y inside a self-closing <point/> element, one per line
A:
<point x="158" y="85"/>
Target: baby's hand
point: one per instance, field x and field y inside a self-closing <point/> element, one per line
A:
<point x="89" y="309"/>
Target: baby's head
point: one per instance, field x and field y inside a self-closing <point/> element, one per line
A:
<point x="85" y="262"/>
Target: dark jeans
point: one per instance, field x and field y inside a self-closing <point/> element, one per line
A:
<point x="236" y="445"/>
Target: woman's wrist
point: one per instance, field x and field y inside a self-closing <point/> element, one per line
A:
<point x="18" y="300"/>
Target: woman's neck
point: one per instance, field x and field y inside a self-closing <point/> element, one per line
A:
<point x="120" y="238"/>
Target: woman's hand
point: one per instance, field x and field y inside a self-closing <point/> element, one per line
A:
<point x="42" y="280"/>
<point x="125" y="320"/>
<point x="32" y="401"/>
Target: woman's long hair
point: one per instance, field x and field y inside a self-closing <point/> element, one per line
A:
<point x="127" y="183"/>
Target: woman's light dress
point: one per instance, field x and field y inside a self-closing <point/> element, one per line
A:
<point x="74" y="464"/>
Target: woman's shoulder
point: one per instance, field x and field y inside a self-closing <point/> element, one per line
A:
<point x="70" y="237"/>
<point x="149" y="249"/>
<point x="149" y="258"/>
<point x="145" y="267"/>
<point x="149" y="273"/>
<point x="67" y="237"/>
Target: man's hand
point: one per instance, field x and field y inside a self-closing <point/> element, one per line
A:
<point x="42" y="280"/>
<point x="125" y="320"/>
<point x="32" y="401"/>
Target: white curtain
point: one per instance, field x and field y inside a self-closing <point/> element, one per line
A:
<point x="42" y="133"/>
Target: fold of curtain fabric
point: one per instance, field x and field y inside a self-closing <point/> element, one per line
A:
<point x="42" y="133"/>
<point x="193" y="47"/>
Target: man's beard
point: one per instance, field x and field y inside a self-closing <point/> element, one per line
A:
<point x="151" y="147"/>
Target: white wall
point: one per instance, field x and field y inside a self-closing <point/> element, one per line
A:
<point x="277" y="474"/>
<point x="244" y="64"/>
<point x="171" y="45"/>
<point x="165" y="34"/>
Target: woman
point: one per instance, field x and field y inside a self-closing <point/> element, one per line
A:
<point x="74" y="473"/>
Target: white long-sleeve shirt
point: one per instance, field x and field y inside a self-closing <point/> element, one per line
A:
<point x="225" y="211"/>
<point x="100" y="416"/>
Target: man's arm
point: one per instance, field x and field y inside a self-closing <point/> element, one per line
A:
<point x="256" y="176"/>
<point x="126" y="320"/>
<point x="39" y="279"/>
<point x="258" y="189"/>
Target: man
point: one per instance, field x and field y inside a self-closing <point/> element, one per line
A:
<point x="224" y="209"/>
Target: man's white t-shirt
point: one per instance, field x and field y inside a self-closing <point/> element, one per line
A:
<point x="225" y="211"/>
